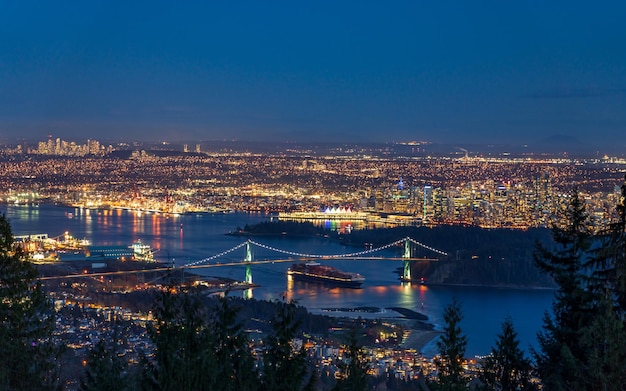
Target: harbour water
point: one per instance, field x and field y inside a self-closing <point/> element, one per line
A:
<point x="188" y="238"/>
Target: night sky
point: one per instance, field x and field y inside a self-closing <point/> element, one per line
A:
<point x="442" y="71"/>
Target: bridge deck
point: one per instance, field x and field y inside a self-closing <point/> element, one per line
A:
<point x="297" y="257"/>
<point x="234" y="264"/>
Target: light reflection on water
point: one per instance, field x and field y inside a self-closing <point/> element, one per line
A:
<point x="193" y="237"/>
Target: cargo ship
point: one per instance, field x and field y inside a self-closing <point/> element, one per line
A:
<point x="324" y="274"/>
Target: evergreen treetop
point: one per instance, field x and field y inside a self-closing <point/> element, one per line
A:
<point x="27" y="319"/>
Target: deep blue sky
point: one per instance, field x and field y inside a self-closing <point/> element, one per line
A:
<point x="444" y="71"/>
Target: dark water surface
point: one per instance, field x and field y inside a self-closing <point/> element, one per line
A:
<point x="189" y="238"/>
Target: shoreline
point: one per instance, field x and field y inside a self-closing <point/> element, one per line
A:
<point x="421" y="332"/>
<point x="533" y="287"/>
<point x="419" y="339"/>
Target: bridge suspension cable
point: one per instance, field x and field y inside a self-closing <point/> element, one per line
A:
<point x="426" y="247"/>
<point x="237" y="247"/>
<point x="303" y="255"/>
<point x="319" y="256"/>
<point x="249" y="241"/>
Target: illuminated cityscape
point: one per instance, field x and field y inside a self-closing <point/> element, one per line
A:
<point x="361" y="187"/>
<point x="490" y="192"/>
<point x="312" y="196"/>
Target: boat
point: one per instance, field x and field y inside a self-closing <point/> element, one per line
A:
<point x="324" y="274"/>
<point x="142" y="252"/>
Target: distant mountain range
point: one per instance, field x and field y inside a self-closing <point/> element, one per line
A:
<point x="555" y="145"/>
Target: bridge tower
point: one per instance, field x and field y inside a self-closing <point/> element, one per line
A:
<point x="247" y="261"/>
<point x="406" y="275"/>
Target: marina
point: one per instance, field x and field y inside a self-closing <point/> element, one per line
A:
<point x="43" y="248"/>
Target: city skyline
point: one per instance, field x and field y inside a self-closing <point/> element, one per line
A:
<point x="445" y="73"/>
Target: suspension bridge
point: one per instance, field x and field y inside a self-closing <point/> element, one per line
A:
<point x="408" y="256"/>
